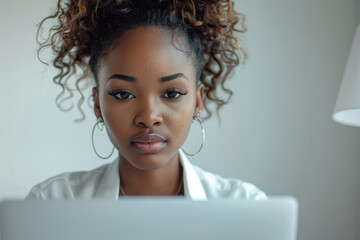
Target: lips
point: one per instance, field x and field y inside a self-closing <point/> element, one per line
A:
<point x="148" y="143"/>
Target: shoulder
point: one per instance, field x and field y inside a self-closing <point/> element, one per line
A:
<point x="68" y="185"/>
<point x="216" y="186"/>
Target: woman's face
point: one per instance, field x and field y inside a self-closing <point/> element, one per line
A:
<point x="147" y="96"/>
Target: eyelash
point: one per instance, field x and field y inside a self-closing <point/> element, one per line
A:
<point x="116" y="92"/>
<point x="178" y="91"/>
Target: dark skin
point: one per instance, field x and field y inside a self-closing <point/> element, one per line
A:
<point x="148" y="103"/>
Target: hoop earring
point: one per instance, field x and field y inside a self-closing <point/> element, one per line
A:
<point x="203" y="137"/>
<point x="100" y="125"/>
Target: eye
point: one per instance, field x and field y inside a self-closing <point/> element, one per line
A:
<point x="121" y="94"/>
<point x="174" y="93"/>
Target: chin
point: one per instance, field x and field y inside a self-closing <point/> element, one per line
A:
<point x="151" y="161"/>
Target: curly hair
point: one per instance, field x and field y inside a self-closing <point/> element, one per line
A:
<point x="85" y="30"/>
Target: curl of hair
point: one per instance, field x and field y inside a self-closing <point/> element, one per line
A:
<point x="81" y="38"/>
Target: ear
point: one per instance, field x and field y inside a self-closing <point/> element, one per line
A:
<point x="199" y="99"/>
<point x="97" y="109"/>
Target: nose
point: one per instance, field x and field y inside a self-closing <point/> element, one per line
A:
<point x="149" y="115"/>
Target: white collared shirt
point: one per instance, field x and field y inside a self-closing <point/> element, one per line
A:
<point x="104" y="182"/>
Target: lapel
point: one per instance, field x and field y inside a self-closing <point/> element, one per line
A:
<point x="109" y="184"/>
<point x="192" y="184"/>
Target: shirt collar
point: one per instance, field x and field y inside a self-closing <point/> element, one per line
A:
<point x="109" y="184"/>
<point x="192" y="184"/>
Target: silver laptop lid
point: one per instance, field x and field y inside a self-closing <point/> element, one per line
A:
<point x="149" y="218"/>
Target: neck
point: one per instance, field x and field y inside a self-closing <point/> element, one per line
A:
<point x="162" y="181"/>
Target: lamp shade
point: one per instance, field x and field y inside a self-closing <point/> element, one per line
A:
<point x="347" y="108"/>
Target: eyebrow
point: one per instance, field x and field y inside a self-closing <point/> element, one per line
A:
<point x="132" y="79"/>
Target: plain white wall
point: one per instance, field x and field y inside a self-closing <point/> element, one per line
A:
<point x="277" y="132"/>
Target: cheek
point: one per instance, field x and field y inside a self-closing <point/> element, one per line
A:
<point x="178" y="119"/>
<point x="118" y="120"/>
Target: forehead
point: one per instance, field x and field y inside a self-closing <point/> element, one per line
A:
<point x="148" y="50"/>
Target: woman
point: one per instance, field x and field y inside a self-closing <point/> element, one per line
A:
<point x="156" y="65"/>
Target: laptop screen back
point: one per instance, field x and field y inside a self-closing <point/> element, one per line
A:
<point x="149" y="218"/>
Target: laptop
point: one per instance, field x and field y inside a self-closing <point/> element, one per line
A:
<point x="149" y="218"/>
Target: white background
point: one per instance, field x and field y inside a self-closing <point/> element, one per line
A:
<point x="277" y="132"/>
